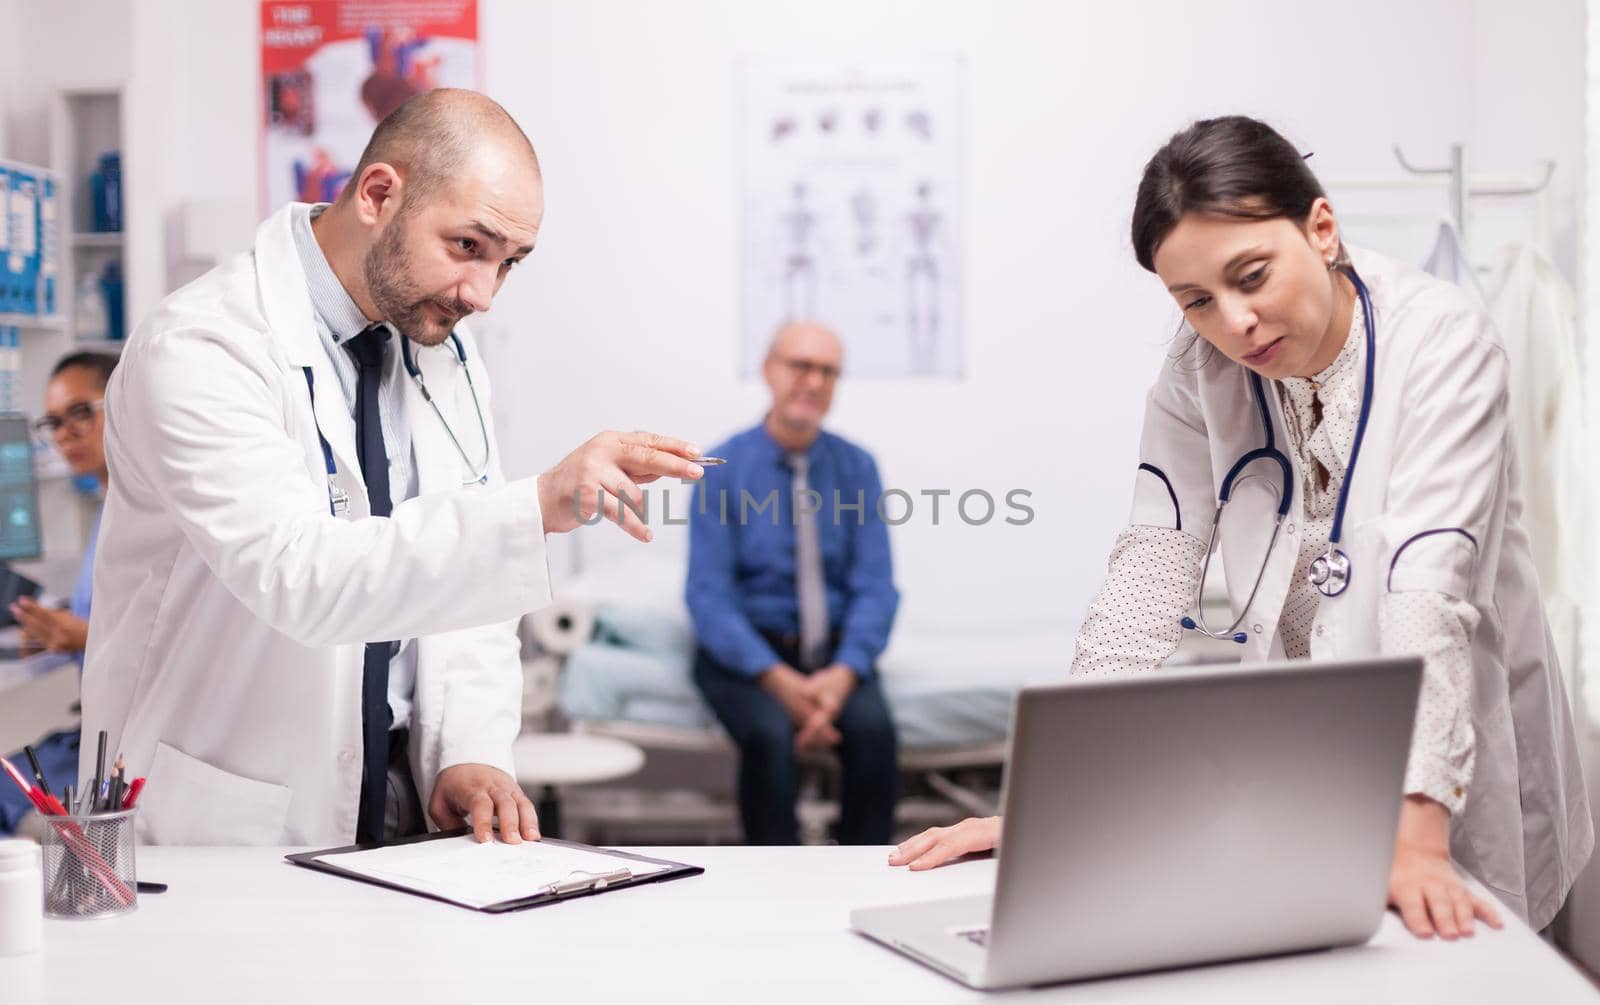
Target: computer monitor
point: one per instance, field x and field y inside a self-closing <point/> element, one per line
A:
<point x="20" y="537"/>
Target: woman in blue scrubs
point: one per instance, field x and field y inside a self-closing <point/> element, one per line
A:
<point x="74" y="420"/>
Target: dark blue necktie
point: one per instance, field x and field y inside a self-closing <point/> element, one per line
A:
<point x="376" y="717"/>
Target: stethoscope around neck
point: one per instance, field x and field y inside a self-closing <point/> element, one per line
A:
<point x="479" y="471"/>
<point x="1330" y="571"/>
<point x="338" y="499"/>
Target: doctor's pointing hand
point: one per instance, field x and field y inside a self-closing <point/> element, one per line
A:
<point x="310" y="564"/>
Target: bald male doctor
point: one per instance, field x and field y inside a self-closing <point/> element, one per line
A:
<point x="310" y="565"/>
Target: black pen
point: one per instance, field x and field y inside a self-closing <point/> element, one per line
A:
<point x="38" y="772"/>
<point x="99" y="774"/>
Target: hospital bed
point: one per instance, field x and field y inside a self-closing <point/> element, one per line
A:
<point x="627" y="674"/>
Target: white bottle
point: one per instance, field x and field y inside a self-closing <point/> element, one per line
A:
<point x="92" y="320"/>
<point x="21" y="897"/>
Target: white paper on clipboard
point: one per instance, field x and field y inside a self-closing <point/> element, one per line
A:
<point x="471" y="874"/>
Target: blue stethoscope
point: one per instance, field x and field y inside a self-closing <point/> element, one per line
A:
<point x="338" y="499"/>
<point x="1330" y="571"/>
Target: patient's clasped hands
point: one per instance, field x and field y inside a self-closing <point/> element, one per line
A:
<point x="813" y="701"/>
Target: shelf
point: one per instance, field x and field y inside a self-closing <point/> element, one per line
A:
<point x="110" y="239"/>
<point x="26" y="321"/>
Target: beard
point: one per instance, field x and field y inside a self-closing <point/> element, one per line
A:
<point x="399" y="299"/>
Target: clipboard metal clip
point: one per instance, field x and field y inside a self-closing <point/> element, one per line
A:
<point x="582" y="881"/>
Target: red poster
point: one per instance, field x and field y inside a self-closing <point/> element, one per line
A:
<point x="331" y="69"/>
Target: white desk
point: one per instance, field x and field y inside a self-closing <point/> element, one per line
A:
<point x="762" y="925"/>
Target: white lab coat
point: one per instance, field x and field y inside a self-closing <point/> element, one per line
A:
<point x="231" y="606"/>
<point x="1536" y="313"/>
<point x="1434" y="505"/>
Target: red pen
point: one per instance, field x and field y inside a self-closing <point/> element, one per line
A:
<point x="133" y="793"/>
<point x="22" y="783"/>
<point x="72" y="835"/>
<point x="44" y="802"/>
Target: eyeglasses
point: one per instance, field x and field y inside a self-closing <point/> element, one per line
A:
<point x="803" y="368"/>
<point x="79" y="417"/>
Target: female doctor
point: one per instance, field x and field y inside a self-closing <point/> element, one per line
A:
<point x="1375" y="512"/>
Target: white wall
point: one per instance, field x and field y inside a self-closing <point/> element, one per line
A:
<point x="1527" y="102"/>
<point x="9" y="72"/>
<point x="193" y="121"/>
<point x="627" y="314"/>
<point x="60" y="44"/>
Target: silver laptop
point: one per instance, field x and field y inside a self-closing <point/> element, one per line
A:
<point x="1181" y="817"/>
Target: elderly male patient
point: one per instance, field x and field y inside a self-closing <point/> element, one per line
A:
<point x="792" y="594"/>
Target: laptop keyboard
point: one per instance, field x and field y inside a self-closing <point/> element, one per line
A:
<point x="976" y="936"/>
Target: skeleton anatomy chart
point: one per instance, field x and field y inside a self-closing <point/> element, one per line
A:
<point x="851" y="213"/>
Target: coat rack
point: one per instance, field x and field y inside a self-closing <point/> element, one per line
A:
<point x="1463" y="187"/>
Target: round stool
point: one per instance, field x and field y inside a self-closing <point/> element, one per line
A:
<point x="547" y="760"/>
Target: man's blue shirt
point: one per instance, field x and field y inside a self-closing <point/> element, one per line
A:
<point x="741" y="579"/>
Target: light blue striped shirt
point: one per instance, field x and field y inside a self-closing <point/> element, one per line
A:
<point x="338" y="321"/>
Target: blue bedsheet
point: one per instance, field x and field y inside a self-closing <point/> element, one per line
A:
<point x="637" y="669"/>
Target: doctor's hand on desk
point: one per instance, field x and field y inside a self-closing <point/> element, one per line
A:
<point x="609" y="467"/>
<point x="1424" y="886"/>
<point x="938" y="845"/>
<point x="475" y="794"/>
<point x="52" y="630"/>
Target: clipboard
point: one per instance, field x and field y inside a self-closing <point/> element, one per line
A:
<point x="586" y="885"/>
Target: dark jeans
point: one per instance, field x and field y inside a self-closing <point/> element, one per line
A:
<point x="768" y="772"/>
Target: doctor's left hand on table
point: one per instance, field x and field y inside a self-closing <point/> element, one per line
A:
<point x="1424" y="886"/>
<point x="474" y="794"/>
<point x="609" y="467"/>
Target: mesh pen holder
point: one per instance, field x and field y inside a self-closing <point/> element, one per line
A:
<point x="88" y="865"/>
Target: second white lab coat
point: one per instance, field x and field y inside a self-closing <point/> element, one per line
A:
<point x="232" y="607"/>
<point x="1535" y="312"/>
<point x="1434" y="505"/>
